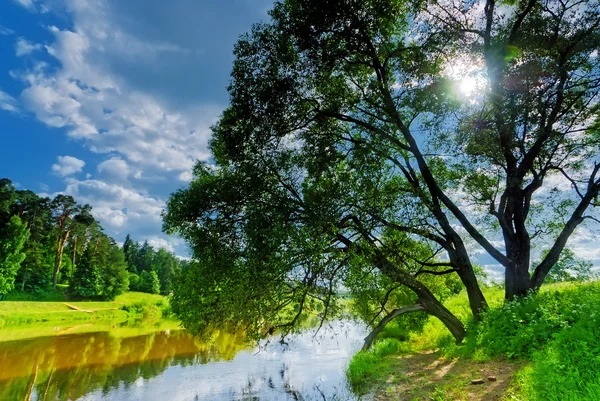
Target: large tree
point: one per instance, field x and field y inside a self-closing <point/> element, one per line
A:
<point x="348" y="140"/>
<point x="68" y="215"/>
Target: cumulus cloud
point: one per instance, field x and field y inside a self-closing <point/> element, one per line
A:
<point x="114" y="168"/>
<point x="136" y="89"/>
<point x="121" y="209"/>
<point x="68" y="165"/>
<point x="158" y="242"/>
<point x="97" y="106"/>
<point x="8" y="103"/>
<point x="23" y="47"/>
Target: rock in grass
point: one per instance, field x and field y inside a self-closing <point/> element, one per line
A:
<point x="477" y="381"/>
<point x="491" y="378"/>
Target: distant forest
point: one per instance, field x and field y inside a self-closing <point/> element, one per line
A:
<point x="48" y="242"/>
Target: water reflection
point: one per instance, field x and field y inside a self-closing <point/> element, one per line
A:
<point x="171" y="365"/>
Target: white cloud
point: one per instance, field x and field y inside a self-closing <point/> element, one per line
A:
<point x="68" y="165"/>
<point x="584" y="244"/>
<point x="28" y="4"/>
<point x="4" y="31"/>
<point x="99" y="107"/>
<point x="23" y="47"/>
<point x="158" y="242"/>
<point x="115" y="168"/>
<point x="121" y="209"/>
<point x="8" y="103"/>
<point x="186" y="176"/>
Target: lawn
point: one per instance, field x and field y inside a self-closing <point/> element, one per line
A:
<point x="125" y="306"/>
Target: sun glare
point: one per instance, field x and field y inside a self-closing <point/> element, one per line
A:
<point x="467" y="76"/>
<point x="467" y="85"/>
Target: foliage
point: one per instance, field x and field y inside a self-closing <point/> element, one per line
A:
<point x="12" y="239"/>
<point x="144" y="258"/>
<point x="149" y="282"/>
<point x="346" y="146"/>
<point x="65" y="244"/>
<point x="519" y="328"/>
<point x="567" y="367"/>
<point x="570" y="268"/>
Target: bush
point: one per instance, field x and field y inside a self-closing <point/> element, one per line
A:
<point x="519" y="328"/>
<point x="567" y="367"/>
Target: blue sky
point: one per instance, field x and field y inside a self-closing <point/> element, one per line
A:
<point x="111" y="101"/>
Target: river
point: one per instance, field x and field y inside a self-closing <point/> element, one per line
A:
<point x="124" y="362"/>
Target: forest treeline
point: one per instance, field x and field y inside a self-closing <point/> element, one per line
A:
<point x="45" y="242"/>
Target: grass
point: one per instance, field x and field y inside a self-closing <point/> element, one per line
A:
<point x="130" y="305"/>
<point x="551" y="337"/>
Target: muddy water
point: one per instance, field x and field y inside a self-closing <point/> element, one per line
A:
<point x="120" y="364"/>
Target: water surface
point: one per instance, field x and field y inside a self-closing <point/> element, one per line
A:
<point x="125" y="363"/>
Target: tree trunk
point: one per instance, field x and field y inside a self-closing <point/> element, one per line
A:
<point x="435" y="308"/>
<point x="465" y="272"/>
<point x="388" y="318"/>
<point x="426" y="298"/>
<point x="58" y="259"/>
<point x="73" y="259"/>
<point x="517" y="282"/>
<point x="477" y="300"/>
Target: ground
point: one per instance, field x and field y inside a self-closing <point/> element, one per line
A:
<point x="429" y="376"/>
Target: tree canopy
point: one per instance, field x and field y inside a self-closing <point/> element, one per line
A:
<point x="350" y="145"/>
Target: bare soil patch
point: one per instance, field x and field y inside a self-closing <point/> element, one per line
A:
<point x="429" y="376"/>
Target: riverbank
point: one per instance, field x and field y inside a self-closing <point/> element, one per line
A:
<point x="131" y="305"/>
<point x="543" y="347"/>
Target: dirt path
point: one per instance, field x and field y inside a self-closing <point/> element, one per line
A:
<point x="429" y="376"/>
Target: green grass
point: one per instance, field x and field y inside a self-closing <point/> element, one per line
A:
<point x="369" y="369"/>
<point x="556" y="333"/>
<point x="126" y="306"/>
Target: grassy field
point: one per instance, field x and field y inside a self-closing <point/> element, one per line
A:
<point x="544" y="347"/>
<point x="126" y="306"/>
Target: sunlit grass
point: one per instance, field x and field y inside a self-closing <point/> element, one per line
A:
<point x="555" y="333"/>
<point x="123" y="307"/>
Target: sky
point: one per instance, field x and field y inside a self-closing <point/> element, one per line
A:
<point x="111" y="101"/>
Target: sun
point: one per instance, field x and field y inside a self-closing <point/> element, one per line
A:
<point x="467" y="76"/>
<point x="468" y="84"/>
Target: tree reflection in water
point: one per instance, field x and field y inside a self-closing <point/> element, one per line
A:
<point x="104" y="365"/>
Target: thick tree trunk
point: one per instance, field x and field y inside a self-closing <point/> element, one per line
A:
<point x="477" y="300"/>
<point x="465" y="271"/>
<point x="517" y="282"/>
<point x="388" y="318"/>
